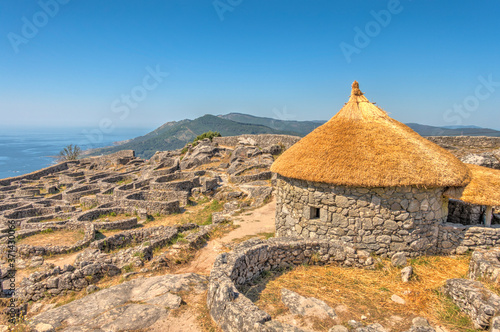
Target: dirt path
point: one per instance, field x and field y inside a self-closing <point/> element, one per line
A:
<point x="260" y="220"/>
<point x="61" y="260"/>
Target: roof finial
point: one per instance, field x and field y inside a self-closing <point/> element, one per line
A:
<point x="355" y="89"/>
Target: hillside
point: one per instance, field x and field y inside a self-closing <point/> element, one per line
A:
<point x="174" y="135"/>
<point x="302" y="128"/>
<point x="424" y="130"/>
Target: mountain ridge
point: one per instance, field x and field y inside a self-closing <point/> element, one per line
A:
<point x="176" y="134"/>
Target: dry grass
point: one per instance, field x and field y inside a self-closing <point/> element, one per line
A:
<point x="362" y="146"/>
<point x="484" y="189"/>
<point x="200" y="214"/>
<point x="367" y="292"/>
<point x="109" y="232"/>
<point x="54" y="219"/>
<point x="263" y="236"/>
<point x="204" y="319"/>
<point x="55" y="238"/>
<point x="113" y="217"/>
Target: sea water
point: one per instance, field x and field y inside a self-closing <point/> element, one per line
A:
<point x="26" y="150"/>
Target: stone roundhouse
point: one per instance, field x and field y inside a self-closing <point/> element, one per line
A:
<point x="367" y="179"/>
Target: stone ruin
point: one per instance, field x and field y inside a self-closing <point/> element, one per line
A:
<point x="80" y="194"/>
<point x="83" y="195"/>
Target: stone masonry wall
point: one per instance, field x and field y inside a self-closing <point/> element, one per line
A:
<point x="466" y="141"/>
<point x="233" y="311"/>
<point x="262" y="140"/>
<point x="382" y="220"/>
<point x="457" y="238"/>
<point x="38" y="174"/>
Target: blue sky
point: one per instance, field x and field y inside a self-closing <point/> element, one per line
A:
<point x="142" y="63"/>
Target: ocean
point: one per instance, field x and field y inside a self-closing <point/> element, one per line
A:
<point x="26" y="150"/>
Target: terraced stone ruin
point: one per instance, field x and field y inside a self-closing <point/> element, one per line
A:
<point x="101" y="216"/>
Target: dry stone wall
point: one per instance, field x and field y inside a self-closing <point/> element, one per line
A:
<point x="485" y="265"/>
<point x="466" y="141"/>
<point x="37" y="174"/>
<point x="458" y="239"/>
<point x="382" y="220"/>
<point x="474" y="299"/>
<point x="262" y="140"/>
<point x="25" y="250"/>
<point x="233" y="311"/>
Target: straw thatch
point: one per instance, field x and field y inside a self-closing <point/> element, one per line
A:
<point x="362" y="146"/>
<point x="484" y="189"/>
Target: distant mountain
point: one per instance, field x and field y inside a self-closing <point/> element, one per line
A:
<point x="424" y="130"/>
<point x="174" y="135"/>
<point x="460" y="127"/>
<point x="305" y="127"/>
<point x="300" y="127"/>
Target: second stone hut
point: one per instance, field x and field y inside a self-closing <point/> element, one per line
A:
<point x="367" y="179"/>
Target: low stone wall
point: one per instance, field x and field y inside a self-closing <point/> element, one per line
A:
<point x="152" y="207"/>
<point x="119" y="224"/>
<point x="464" y="213"/>
<point x="94" y="178"/>
<point x="239" y="178"/>
<point x="8" y="188"/>
<point x="458" y="239"/>
<point x="123" y="190"/>
<point x="160" y="235"/>
<point x="474" y="299"/>
<point x="27" y="191"/>
<point x="96" y="213"/>
<point x="38" y="174"/>
<point x="59" y="280"/>
<point x="25" y="250"/>
<point x="485" y="265"/>
<point x="163" y="170"/>
<point x="71" y="177"/>
<point x="466" y="141"/>
<point x="31" y="212"/>
<point x="73" y="196"/>
<point x="37" y="220"/>
<point x="89" y="202"/>
<point x="25" y="225"/>
<point x="178" y="181"/>
<point x="232" y="311"/>
<point x="262" y="140"/>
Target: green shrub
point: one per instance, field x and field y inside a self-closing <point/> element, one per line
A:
<point x="209" y="134"/>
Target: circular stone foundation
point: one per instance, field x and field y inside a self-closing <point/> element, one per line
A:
<point x="232" y="311"/>
<point x="381" y="220"/>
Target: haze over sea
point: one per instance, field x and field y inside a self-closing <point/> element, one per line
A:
<point x="26" y="150"/>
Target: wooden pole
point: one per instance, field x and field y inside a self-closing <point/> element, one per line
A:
<point x="488" y="215"/>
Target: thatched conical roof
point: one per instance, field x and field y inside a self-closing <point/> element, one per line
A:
<point x="484" y="189"/>
<point x="362" y="146"/>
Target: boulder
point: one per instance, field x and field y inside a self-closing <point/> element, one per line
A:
<point x="399" y="259"/>
<point x="306" y="306"/>
<point x="485" y="159"/>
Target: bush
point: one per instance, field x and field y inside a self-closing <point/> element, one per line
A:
<point x="71" y="152"/>
<point x="209" y="134"/>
